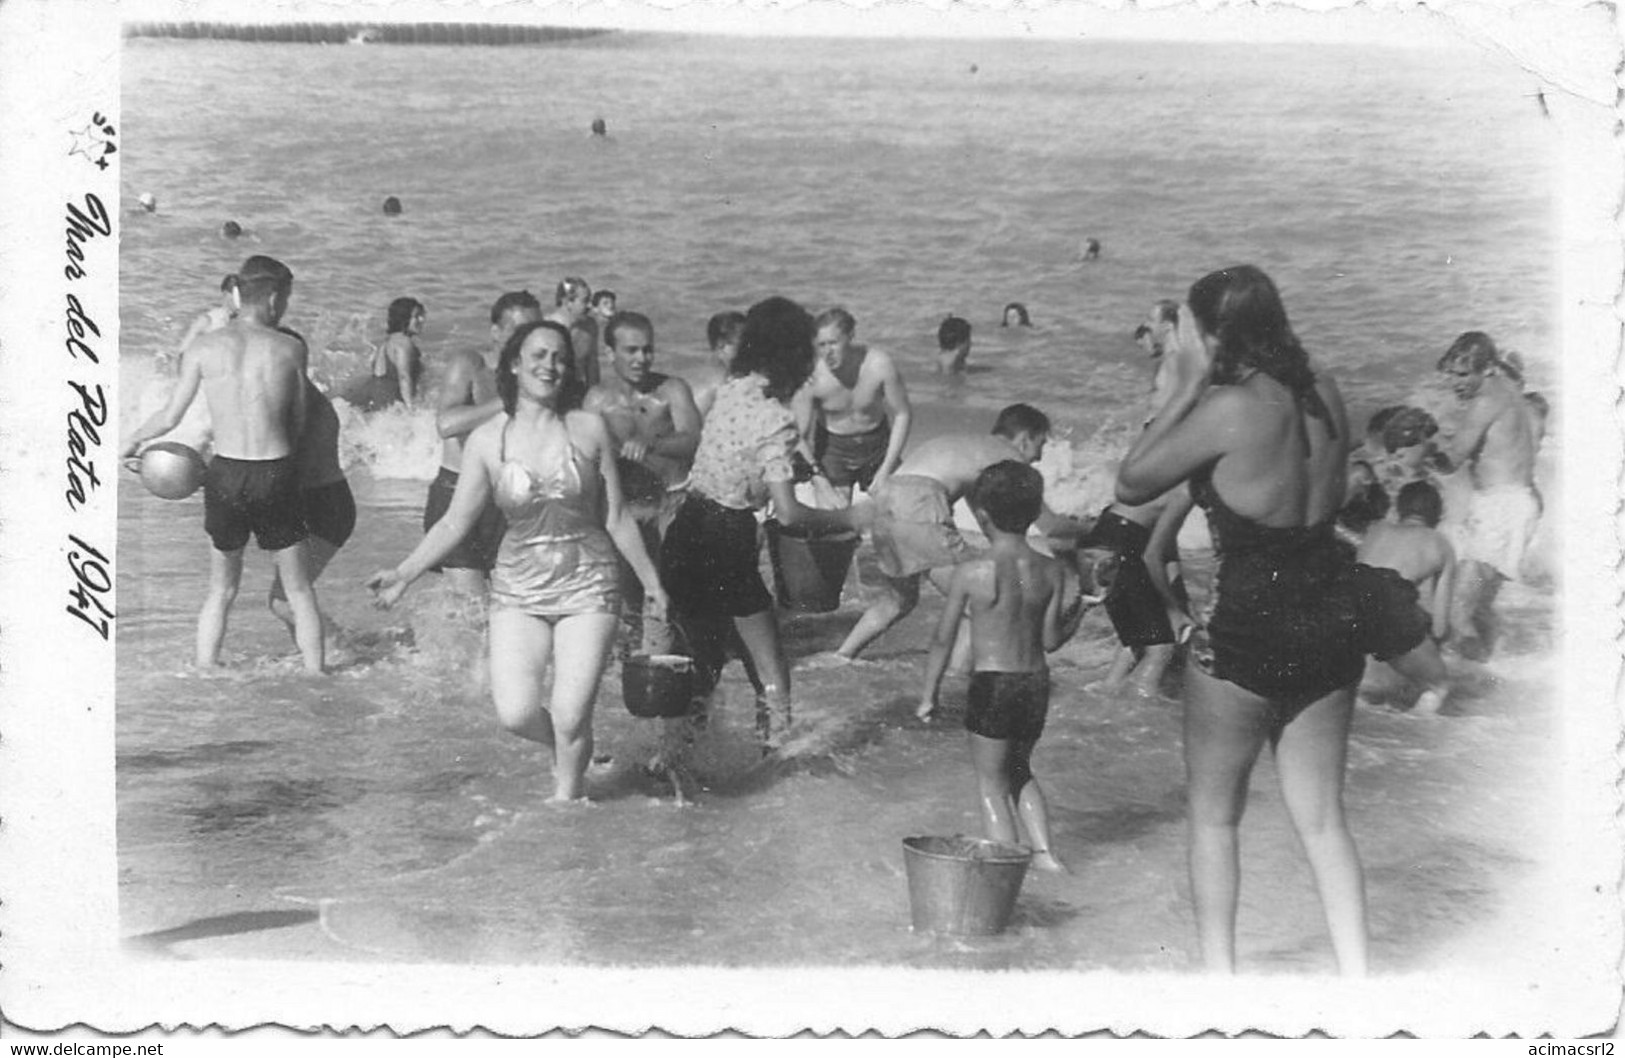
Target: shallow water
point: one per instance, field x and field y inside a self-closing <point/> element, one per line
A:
<point x="381" y="813"/>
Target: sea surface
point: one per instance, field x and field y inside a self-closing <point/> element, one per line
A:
<point x="1398" y="197"/>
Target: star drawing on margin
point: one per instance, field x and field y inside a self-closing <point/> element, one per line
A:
<point x="89" y="142"/>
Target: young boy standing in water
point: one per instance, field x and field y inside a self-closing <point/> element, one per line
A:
<point x="1015" y="596"/>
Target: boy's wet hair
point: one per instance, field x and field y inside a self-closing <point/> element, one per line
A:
<point x="601" y="296"/>
<point x="635" y="320"/>
<point x="1010" y="493"/>
<point x="1420" y="499"/>
<point x="723" y="328"/>
<point x="400" y="314"/>
<point x="513" y="299"/>
<point x="953" y="333"/>
<point x="1018" y="419"/>
<point x="1409" y="427"/>
<point x="838" y="316"/>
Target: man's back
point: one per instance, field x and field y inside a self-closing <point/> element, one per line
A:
<point x="954" y="460"/>
<point x="252" y="377"/>
<point x="1415" y="552"/>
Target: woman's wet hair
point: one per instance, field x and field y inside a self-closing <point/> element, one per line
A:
<point x="1242" y="310"/>
<point x="400" y="314"/>
<point x="1011" y="493"/>
<point x="776" y="343"/>
<point x="259" y="278"/>
<point x="571" y="389"/>
<point x="1022" y="319"/>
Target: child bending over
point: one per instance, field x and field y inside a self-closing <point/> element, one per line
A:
<point x="1015" y="597"/>
<point x="1417" y="551"/>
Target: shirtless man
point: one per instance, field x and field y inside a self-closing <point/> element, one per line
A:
<point x="853" y="414"/>
<point x="722" y="333"/>
<point x="953" y="346"/>
<point x="652" y="417"/>
<point x="468" y="397"/>
<point x="1154" y="335"/>
<point x="253" y="378"/>
<point x="914" y="533"/>
<point x="572" y="306"/>
<point x="1496" y="441"/>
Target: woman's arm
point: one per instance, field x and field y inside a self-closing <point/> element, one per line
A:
<point x="1164" y="535"/>
<point x="467" y="502"/>
<point x="618" y="522"/>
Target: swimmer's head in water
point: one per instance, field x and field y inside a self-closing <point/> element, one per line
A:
<point x="953" y="333"/>
<point x="603" y="304"/>
<point x="402" y="314"/>
<point x="392" y="206"/>
<point x="1091" y="249"/>
<point x="599" y="128"/>
<point x="1025" y="427"/>
<point x="1015" y="315"/>
<point x="1009" y="494"/>
<point x="231" y="229"/>
<point x="1420" y="500"/>
<point x="261" y="281"/>
<point x="570" y="390"/>
<point x="147" y="202"/>
<point x="777" y="343"/>
<point x="724" y="329"/>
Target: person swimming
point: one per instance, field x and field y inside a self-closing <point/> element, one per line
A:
<point x="397" y="364"/>
<point x="1015" y="315"/>
<point x="392" y="206"/>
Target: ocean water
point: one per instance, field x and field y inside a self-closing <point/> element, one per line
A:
<point x="1397" y="198"/>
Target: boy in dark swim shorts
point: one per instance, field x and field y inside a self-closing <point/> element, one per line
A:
<point x="1018" y="612"/>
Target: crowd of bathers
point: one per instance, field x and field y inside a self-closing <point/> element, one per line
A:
<point x="575" y="483"/>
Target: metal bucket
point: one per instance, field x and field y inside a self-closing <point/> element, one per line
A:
<point x="961" y="885"/>
<point x="658" y="686"/>
<point x="810" y="569"/>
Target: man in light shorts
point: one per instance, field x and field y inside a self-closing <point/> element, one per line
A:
<point x="1496" y="441"/>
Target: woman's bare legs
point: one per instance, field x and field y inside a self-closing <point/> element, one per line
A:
<point x="1224" y="730"/>
<point x="760" y="634"/>
<point x="1310" y="757"/>
<point x="581" y="646"/>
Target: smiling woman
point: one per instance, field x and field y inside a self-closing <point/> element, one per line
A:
<point x="555" y="599"/>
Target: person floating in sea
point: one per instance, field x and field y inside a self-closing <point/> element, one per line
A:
<point x="953" y="345"/>
<point x="709" y="557"/>
<point x="1417" y="551"/>
<point x="914" y="535"/>
<point x="1262" y="440"/>
<point x="603" y="308"/>
<point x="396" y="368"/>
<point x="325" y="500"/>
<point x="722" y="335"/>
<point x="253" y="379"/>
<point x="469" y="399"/>
<point x="1015" y="598"/>
<point x="1015" y="315"/>
<point x="853" y="414"/>
<point x="1153" y="336"/>
<point x="555" y="591"/>
<point x="572" y="306"/>
<point x="1496" y="442"/>
<point x="656" y="428"/>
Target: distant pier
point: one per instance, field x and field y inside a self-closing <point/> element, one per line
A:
<point x="480" y="33"/>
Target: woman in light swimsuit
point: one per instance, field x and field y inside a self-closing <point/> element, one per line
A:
<point x="1263" y="442"/>
<point x="554" y="589"/>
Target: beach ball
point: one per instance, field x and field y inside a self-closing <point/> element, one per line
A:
<point x="170" y="470"/>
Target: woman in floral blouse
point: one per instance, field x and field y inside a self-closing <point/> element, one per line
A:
<point x="709" y="556"/>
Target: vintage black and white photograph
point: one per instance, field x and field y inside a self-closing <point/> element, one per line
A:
<point x="803" y="517"/>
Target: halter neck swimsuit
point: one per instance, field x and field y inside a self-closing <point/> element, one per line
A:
<point x="1292" y="615"/>
<point x="555" y="559"/>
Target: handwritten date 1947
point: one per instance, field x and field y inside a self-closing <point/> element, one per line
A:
<point x="93" y="583"/>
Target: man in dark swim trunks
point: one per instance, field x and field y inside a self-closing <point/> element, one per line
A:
<point x="252" y="485"/>
<point x="468" y="397"/>
<point x="853" y="414"/>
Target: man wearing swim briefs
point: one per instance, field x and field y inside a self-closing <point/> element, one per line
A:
<point x="653" y="420"/>
<point x="1496" y="441"/>
<point x="853" y="414"/>
<point x="914" y="534"/>
<point x="253" y="378"/>
<point x="468" y="398"/>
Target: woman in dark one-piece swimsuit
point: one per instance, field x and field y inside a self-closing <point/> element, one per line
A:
<point x="1264" y="442"/>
